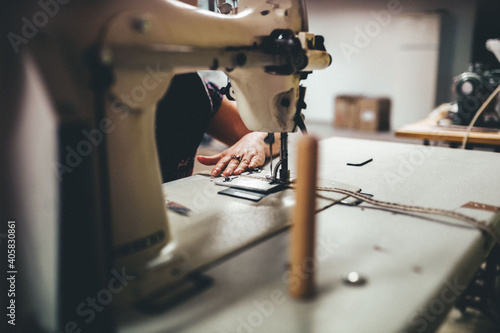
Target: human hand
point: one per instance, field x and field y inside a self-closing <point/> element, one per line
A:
<point x="248" y="153"/>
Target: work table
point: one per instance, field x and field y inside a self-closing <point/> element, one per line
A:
<point x="415" y="266"/>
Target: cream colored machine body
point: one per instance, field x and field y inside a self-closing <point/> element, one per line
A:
<point x="251" y="47"/>
<point x="82" y="126"/>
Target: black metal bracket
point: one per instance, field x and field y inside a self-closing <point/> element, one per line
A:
<point x="483" y="293"/>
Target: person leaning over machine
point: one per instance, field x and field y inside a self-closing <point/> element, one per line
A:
<point x="192" y="107"/>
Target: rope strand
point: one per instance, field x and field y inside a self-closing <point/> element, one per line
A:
<point x="397" y="206"/>
<point x="425" y="210"/>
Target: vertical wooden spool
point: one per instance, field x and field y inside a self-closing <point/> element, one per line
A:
<point x="302" y="261"/>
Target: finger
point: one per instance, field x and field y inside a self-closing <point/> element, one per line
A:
<point x="242" y="166"/>
<point x="221" y="165"/>
<point x="245" y="163"/>
<point x="231" y="166"/>
<point x="256" y="161"/>
<point x="209" y="160"/>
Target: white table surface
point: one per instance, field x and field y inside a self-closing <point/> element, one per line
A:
<point x="415" y="266"/>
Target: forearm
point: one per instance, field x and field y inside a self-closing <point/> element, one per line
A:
<point x="227" y="126"/>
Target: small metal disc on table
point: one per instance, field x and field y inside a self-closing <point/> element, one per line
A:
<point x="354" y="279"/>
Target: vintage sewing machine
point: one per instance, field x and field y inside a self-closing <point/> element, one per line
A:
<point x="90" y="195"/>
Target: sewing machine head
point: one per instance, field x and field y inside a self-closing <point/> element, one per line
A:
<point x="263" y="47"/>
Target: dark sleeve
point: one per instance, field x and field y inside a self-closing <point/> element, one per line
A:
<point x="182" y="118"/>
<point x="214" y="94"/>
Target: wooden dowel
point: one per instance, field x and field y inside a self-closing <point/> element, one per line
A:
<point x="302" y="263"/>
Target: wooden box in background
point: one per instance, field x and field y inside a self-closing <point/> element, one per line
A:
<point x="374" y="114"/>
<point x="346" y="111"/>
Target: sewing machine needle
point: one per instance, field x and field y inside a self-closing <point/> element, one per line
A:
<point x="270" y="141"/>
<point x="271" y="156"/>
